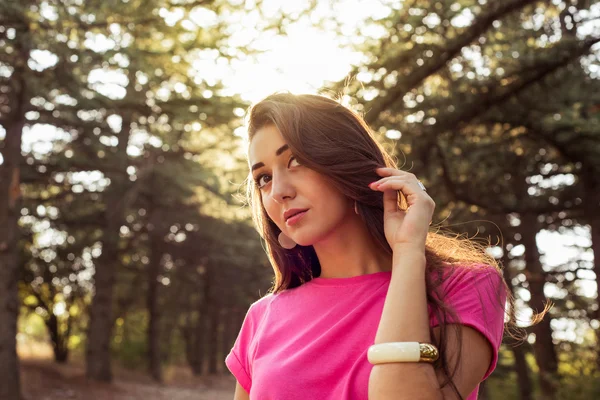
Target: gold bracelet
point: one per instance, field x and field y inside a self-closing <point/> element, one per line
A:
<point x="402" y="352"/>
<point x="429" y="353"/>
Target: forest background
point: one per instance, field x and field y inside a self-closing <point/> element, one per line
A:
<point x="127" y="256"/>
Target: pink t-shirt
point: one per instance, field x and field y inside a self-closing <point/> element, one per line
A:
<point x="311" y="342"/>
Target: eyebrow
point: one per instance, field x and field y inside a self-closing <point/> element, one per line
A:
<point x="277" y="153"/>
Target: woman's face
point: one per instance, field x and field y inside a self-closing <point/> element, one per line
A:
<point x="284" y="184"/>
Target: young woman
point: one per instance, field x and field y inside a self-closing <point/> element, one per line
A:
<point x="367" y="303"/>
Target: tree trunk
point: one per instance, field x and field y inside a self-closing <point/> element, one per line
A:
<point x="201" y="338"/>
<point x="213" y="339"/>
<point x="523" y="374"/>
<point x="98" y="352"/>
<point x="10" y="388"/>
<point x="59" y="343"/>
<point x="169" y="324"/>
<point x="228" y="325"/>
<point x="190" y="344"/>
<point x="545" y="352"/>
<point x="521" y="367"/>
<point x="212" y="329"/>
<point x="154" y="356"/>
<point x="592" y="215"/>
<point x="202" y="324"/>
<point x="193" y="333"/>
<point x="98" y="365"/>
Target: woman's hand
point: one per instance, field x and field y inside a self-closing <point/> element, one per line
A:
<point x="404" y="228"/>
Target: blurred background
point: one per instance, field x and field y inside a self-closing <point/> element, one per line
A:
<point x="127" y="256"/>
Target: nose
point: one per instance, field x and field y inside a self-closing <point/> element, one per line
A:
<point x="282" y="188"/>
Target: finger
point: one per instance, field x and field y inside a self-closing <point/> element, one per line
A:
<point x="390" y="188"/>
<point x="390" y="197"/>
<point x="410" y="189"/>
<point x="390" y="201"/>
<point x="406" y="185"/>
<point x="387" y="179"/>
<point x="391" y="172"/>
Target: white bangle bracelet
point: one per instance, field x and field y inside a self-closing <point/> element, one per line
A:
<point x="402" y="352"/>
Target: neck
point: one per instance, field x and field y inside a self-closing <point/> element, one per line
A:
<point x="349" y="250"/>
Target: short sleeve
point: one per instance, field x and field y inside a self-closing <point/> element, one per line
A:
<point x="478" y="296"/>
<point x="238" y="361"/>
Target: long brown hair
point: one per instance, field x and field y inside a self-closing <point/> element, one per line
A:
<point x="336" y="142"/>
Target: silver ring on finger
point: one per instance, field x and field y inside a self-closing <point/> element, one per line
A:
<point x="421" y="185"/>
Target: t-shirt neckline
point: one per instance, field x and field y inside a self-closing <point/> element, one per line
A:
<point x="353" y="280"/>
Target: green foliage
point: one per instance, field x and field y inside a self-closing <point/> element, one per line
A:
<point x="580" y="387"/>
<point x="129" y="342"/>
<point x="572" y="386"/>
<point x="32" y="326"/>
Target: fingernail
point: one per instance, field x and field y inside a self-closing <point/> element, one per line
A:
<point x="373" y="184"/>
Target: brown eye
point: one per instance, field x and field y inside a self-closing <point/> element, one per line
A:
<point x="259" y="180"/>
<point x="293" y="158"/>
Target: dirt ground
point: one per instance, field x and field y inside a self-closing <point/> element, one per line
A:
<point x="44" y="380"/>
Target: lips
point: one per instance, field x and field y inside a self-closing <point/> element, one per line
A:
<point x="294" y="211"/>
<point x="294" y="219"/>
